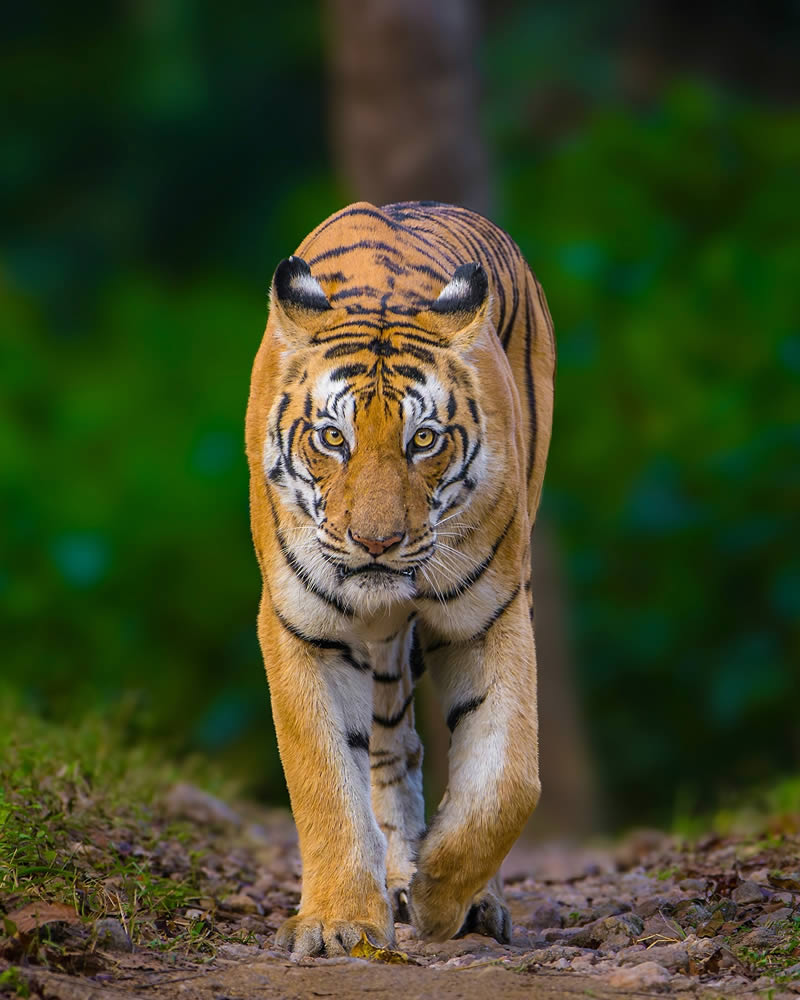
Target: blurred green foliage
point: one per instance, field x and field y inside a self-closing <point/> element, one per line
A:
<point x="161" y="160"/>
<point x="668" y="244"/>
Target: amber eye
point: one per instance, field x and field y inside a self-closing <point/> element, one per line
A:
<point x="332" y="437"/>
<point x="423" y="439"/>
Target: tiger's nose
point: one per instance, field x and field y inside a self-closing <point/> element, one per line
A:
<point x="377" y="546"/>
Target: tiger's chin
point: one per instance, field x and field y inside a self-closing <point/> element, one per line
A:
<point x="373" y="587"/>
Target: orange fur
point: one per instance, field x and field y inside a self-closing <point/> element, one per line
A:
<point x="372" y="341"/>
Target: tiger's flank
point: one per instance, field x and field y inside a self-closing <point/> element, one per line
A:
<point x="397" y="433"/>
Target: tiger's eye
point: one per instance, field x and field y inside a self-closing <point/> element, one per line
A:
<point x="424" y="438"/>
<point x="333" y="437"/>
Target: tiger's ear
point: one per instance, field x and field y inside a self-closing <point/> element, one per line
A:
<point x="298" y="301"/>
<point x="460" y="310"/>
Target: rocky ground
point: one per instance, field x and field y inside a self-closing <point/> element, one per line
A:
<point x="653" y="914"/>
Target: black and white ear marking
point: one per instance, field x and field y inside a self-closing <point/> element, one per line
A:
<point x="294" y="286"/>
<point x="466" y="291"/>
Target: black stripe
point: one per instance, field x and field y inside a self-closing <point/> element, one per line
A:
<point x="436" y="646"/>
<point x="390" y="721"/>
<point x="301" y="503"/>
<point x="287" y="451"/>
<point x="285" y="399"/>
<point x="385" y="761"/>
<point x="457" y="712"/>
<point x="383" y="347"/>
<point x="462" y="474"/>
<point x="342" y="350"/>
<point x="529" y="388"/>
<point x="386" y="678"/>
<point x="300" y="571"/>
<point x="350" y="293"/>
<point x="498" y="614"/>
<point x="337" y="276"/>
<point x="349" y="247"/>
<point x="334" y="645"/>
<point x="431" y="272"/>
<point x="420" y="353"/>
<point x="346" y="213"/>
<point x="391" y="781"/>
<point x="349" y="371"/>
<point x="476" y="574"/>
<point x="412" y="372"/>
<point x="358" y="741"/>
<point x="416" y="661"/>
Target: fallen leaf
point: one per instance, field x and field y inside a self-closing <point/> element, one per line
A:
<point x="35" y="915"/>
<point x="789" y="882"/>
<point x="366" y="949"/>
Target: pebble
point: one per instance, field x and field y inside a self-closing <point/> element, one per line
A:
<point x="186" y="801"/>
<point x="544" y="915"/>
<point x="546" y="956"/>
<point x="775" y="916"/>
<point x="112" y="935"/>
<point x="234" y="950"/>
<point x="748" y="892"/>
<point x="662" y="926"/>
<point x="695" y="885"/>
<point x="691" y="913"/>
<point x="583" y="963"/>
<point x="648" y="975"/>
<point x="241" y="903"/>
<point x="674" y="957"/>
<point x="609" y="932"/>
<point x="760" y="937"/>
<point x="611" y="908"/>
<point x="652" y="905"/>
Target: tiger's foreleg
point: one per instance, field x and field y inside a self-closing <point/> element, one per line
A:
<point x="396" y="760"/>
<point x="488" y="691"/>
<point x="321" y="693"/>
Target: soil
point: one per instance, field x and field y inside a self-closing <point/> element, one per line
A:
<point x="651" y="915"/>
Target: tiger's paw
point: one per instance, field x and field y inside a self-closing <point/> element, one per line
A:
<point x="435" y="913"/>
<point x="488" y="915"/>
<point x="309" y="936"/>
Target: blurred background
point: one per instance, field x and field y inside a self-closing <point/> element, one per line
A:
<point x="160" y="158"/>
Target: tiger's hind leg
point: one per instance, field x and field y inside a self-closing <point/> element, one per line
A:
<point x="396" y="760"/>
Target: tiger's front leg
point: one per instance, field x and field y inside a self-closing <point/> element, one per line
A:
<point x="488" y="690"/>
<point x="321" y="693"/>
<point x="396" y="759"/>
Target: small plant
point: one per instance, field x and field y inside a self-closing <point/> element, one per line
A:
<point x="80" y="824"/>
<point x="12" y="981"/>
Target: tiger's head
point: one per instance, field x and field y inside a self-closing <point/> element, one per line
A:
<point x="376" y="439"/>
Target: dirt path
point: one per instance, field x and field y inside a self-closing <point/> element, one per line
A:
<point x="720" y="918"/>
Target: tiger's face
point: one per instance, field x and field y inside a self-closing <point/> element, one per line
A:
<point x="374" y="445"/>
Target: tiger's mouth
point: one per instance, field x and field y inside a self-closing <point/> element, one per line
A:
<point x="374" y="571"/>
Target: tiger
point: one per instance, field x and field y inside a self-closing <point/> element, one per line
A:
<point x="397" y="430"/>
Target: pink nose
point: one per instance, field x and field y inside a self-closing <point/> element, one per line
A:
<point x="377" y="546"/>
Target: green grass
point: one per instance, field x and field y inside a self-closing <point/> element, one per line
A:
<point x="783" y="955"/>
<point x="81" y="824"/>
<point x="12" y="981"/>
